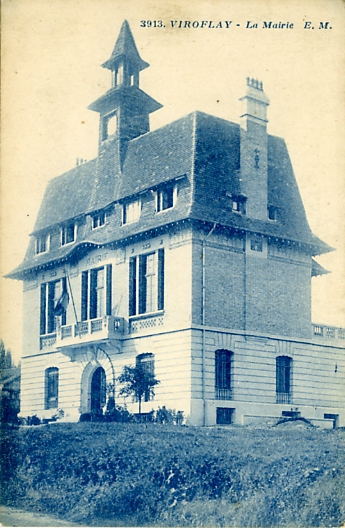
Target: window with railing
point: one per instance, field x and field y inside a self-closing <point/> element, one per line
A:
<point x="146" y="283"/>
<point x="53" y="305"/>
<point x="96" y="292"/>
<point x="283" y="379"/>
<point x="223" y="374"/>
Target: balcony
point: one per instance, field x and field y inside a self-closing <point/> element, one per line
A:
<point x="93" y="331"/>
<point x="283" y="397"/>
<point x="223" y="394"/>
<point x="324" y="333"/>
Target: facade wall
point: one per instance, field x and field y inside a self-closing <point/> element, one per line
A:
<point x="172" y="367"/>
<point x="184" y="354"/>
<point x="317" y="377"/>
<point x="266" y="291"/>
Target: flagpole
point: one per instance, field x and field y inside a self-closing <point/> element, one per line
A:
<point x="70" y="289"/>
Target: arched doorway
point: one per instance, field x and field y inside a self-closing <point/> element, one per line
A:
<point x="98" y="389"/>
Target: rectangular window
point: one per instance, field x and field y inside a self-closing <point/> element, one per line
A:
<point x="51" y="388"/>
<point x="98" y="220"/>
<point x="96" y="293"/>
<point x="223" y="378"/>
<point x="166" y="198"/>
<point x="131" y="211"/>
<point x="50" y="296"/>
<point x="42" y="244"/>
<point x="146" y="283"/>
<point x="256" y="244"/>
<point x="283" y="379"/>
<point x="68" y="233"/>
<point x="119" y="75"/>
<point x="224" y="415"/>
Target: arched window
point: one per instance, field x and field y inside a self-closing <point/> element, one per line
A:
<point x="51" y="388"/>
<point x="98" y="389"/>
<point x="223" y="374"/>
<point x="147" y="361"/>
<point x="283" y="379"/>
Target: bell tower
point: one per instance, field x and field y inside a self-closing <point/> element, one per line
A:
<point x="124" y="109"/>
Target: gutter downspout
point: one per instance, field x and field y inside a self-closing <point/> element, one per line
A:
<point x="203" y="307"/>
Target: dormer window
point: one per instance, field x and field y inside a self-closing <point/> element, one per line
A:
<point x="68" y="234"/>
<point x="98" y="220"/>
<point x="237" y="202"/>
<point x="166" y="198"/>
<point x="272" y="212"/>
<point x="131" y="211"/>
<point x="238" y="205"/>
<point x="42" y="244"/>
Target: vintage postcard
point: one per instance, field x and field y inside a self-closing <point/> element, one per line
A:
<point x="173" y="262"/>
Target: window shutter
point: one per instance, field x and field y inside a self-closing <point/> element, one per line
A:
<point x="161" y="279"/>
<point x="43" y="307"/>
<point x="84" y="295"/>
<point x="142" y="283"/>
<point x="109" y="272"/>
<point x="93" y="294"/>
<point x="51" y="302"/>
<point x="63" y="289"/>
<point x="132" y="286"/>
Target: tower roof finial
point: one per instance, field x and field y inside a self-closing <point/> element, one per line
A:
<point x="125" y="47"/>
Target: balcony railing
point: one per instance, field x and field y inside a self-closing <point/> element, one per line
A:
<point x="47" y="340"/>
<point x="93" y="330"/>
<point x="327" y="332"/>
<point x="283" y="397"/>
<point x="223" y="394"/>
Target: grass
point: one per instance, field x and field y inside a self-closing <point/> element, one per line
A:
<point x="137" y="474"/>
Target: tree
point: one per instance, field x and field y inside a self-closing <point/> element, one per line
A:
<point x="137" y="381"/>
<point x="5" y="357"/>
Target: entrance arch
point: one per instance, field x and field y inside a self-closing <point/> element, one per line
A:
<point x="98" y="389"/>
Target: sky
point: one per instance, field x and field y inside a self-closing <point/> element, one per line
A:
<point x="51" y="57"/>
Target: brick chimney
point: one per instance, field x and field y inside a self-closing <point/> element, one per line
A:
<point x="254" y="149"/>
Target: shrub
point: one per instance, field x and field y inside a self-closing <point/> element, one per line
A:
<point x="85" y="417"/>
<point x="33" y="420"/>
<point x="168" y="416"/>
<point x="118" y="414"/>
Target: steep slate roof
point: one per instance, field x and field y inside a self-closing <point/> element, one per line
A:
<point x="66" y="196"/>
<point x="125" y="46"/>
<point x="203" y="148"/>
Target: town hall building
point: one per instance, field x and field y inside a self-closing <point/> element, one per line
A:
<point x="185" y="249"/>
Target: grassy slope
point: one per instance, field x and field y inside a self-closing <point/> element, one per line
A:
<point x="177" y="476"/>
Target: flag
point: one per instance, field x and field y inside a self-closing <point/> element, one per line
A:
<point x="61" y="305"/>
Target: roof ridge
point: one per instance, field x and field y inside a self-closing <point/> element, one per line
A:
<point x="192" y="181"/>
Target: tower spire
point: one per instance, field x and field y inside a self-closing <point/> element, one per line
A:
<point x="125" y="50"/>
<point x="124" y="109"/>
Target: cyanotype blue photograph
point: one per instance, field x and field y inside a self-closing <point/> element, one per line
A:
<point x="172" y="315"/>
